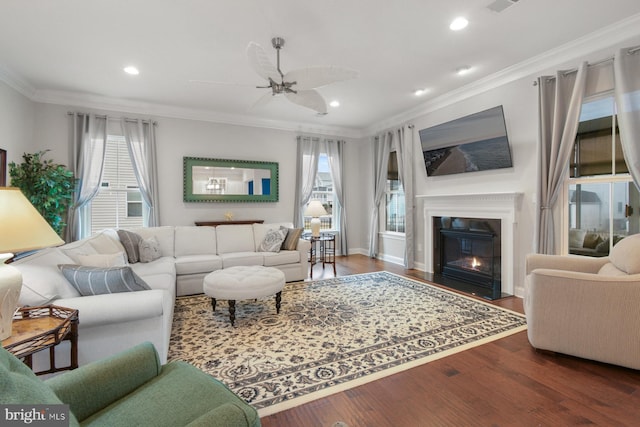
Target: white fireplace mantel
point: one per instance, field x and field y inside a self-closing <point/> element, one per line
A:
<point x="502" y="206"/>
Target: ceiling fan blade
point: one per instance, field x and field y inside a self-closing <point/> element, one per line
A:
<point x="213" y="82"/>
<point x="263" y="100"/>
<point x="308" y="98"/>
<point x="315" y="77"/>
<point x="259" y="61"/>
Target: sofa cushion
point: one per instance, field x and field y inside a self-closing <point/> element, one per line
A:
<point x="272" y="241"/>
<point x="194" y="264"/>
<point x="42" y="282"/>
<point x="259" y="230"/>
<point x="281" y="258"/>
<point x="164" y="234"/>
<point x="164" y="265"/>
<point x="235" y="238"/>
<point x="576" y="237"/>
<point x="101" y="243"/>
<point x="118" y="259"/>
<point x="241" y="258"/>
<point x="291" y="241"/>
<point x="611" y="270"/>
<point x="192" y="240"/>
<point x="149" y="249"/>
<point x="131" y="242"/>
<point x="625" y="255"/>
<point x="97" y="281"/>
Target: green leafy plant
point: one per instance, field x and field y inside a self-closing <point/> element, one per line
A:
<point x="48" y="186"/>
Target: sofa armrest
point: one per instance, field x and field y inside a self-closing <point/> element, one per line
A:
<point x="564" y="262"/>
<point x="586" y="315"/>
<point x="118" y="307"/>
<point x="303" y="246"/>
<point x="96" y="385"/>
<point x="225" y="415"/>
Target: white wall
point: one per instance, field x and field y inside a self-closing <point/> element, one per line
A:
<point x="16" y="124"/>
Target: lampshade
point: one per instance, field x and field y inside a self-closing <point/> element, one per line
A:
<point x="315" y="209"/>
<point x="22" y="228"/>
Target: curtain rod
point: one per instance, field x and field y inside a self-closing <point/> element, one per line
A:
<point x="630" y="51"/>
<point x="104" y="116"/>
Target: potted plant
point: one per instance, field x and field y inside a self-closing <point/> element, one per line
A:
<point x="47" y="185"/>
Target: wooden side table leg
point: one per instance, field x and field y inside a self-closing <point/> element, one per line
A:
<point x="73" y="337"/>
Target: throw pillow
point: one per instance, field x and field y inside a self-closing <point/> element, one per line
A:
<point x="591" y="240"/>
<point x="97" y="281"/>
<point x="625" y="254"/>
<point x="149" y="249"/>
<point x="272" y="241"/>
<point x="291" y="240"/>
<point x="576" y="237"/>
<point x="130" y="241"/>
<point x="117" y="259"/>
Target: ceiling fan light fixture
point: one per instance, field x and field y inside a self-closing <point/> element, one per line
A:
<point x="465" y="69"/>
<point x="131" y="70"/>
<point x="458" y="23"/>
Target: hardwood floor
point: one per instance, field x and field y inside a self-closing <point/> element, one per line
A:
<point x="502" y="383"/>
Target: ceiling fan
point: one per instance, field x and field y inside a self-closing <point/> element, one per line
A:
<point x="298" y="86"/>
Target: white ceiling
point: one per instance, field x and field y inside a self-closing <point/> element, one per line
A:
<point x="73" y="51"/>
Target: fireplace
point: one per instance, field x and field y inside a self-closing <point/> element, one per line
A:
<point x="504" y="207"/>
<point x="467" y="250"/>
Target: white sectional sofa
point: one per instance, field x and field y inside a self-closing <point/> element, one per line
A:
<point x="112" y="322"/>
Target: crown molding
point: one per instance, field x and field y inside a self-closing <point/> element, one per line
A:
<point x="162" y="110"/>
<point x="16" y="82"/>
<point x="606" y="37"/>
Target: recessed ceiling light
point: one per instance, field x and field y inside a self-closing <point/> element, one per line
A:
<point x="334" y="103"/>
<point x="459" y="23"/>
<point x="420" y="92"/>
<point x="463" y="70"/>
<point x="131" y="70"/>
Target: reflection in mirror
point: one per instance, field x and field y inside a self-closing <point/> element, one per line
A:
<point x="232" y="180"/>
<point x="224" y="180"/>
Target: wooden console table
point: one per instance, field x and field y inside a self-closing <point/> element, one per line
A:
<point x="216" y="223"/>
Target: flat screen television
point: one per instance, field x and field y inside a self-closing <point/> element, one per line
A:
<point x="472" y="143"/>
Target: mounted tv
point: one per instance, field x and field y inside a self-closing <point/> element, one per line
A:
<point x="472" y="143"/>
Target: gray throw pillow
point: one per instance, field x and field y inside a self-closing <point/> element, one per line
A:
<point x="149" y="249"/>
<point x="97" y="280"/>
<point x="130" y="241"/>
<point x="291" y="240"/>
<point x="272" y="241"/>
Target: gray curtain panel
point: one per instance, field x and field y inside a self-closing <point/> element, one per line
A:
<point x="335" y="153"/>
<point x="560" y="103"/>
<point x="381" y="145"/>
<point x="306" y="170"/>
<point x="404" y="148"/>
<point x="89" y="141"/>
<point x="626" y="68"/>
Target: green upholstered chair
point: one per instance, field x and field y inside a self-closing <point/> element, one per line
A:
<point x="129" y="389"/>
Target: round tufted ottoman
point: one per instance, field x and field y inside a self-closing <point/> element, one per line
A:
<point x="243" y="282"/>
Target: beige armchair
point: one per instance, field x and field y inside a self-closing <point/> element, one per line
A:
<point x="586" y="307"/>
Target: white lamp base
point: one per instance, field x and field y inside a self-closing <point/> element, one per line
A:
<point x="315" y="227"/>
<point x="10" y="285"/>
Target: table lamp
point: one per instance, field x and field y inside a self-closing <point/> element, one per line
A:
<point x="22" y="229"/>
<point x="315" y="210"/>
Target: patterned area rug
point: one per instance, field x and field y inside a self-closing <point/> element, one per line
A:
<point x="330" y="335"/>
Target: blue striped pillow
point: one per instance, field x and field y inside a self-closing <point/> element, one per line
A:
<point x="98" y="280"/>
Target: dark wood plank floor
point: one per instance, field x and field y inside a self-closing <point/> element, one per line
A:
<point x="502" y="383"/>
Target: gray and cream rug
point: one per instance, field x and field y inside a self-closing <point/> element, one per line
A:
<point x="330" y="335"/>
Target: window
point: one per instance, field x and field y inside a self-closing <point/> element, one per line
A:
<point x="603" y="202"/>
<point x="394" y="204"/>
<point x="323" y="191"/>
<point x="118" y="202"/>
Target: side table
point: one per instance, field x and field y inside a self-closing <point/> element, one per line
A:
<point x="327" y="254"/>
<point x="40" y="328"/>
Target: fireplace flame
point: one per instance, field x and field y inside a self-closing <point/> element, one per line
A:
<point x="475" y="263"/>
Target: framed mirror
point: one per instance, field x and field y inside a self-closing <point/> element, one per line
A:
<point x="225" y="180"/>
